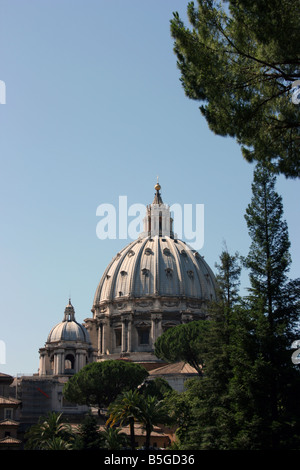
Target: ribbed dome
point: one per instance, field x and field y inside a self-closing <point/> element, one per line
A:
<point x="68" y="329"/>
<point x="156" y="266"/>
<point x="154" y="283"/>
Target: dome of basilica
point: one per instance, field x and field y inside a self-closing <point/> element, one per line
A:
<point x="155" y="282"/>
<point x="156" y="266"/>
<point x="68" y="347"/>
<point x="69" y="329"/>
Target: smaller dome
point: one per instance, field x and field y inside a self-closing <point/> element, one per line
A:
<point x="69" y="329"/>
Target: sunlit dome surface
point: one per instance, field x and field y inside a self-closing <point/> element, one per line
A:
<point x="156" y="264"/>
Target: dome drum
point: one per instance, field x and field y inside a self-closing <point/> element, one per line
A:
<point x="123" y="334"/>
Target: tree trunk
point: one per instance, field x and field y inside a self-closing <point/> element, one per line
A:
<point x="148" y="434"/>
<point x="132" y="436"/>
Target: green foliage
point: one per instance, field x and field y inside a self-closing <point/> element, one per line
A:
<point x="184" y="343"/>
<point x="88" y="436"/>
<point x="151" y="412"/>
<point x="228" y="278"/>
<point x="203" y="410"/>
<point x="181" y="410"/>
<point x="268" y="258"/>
<point x="142" y="407"/>
<point x="273" y="316"/>
<point x="99" y="383"/>
<point x="158" y="388"/>
<point x="57" y="443"/>
<point x="240" y="60"/>
<point x="124" y="410"/>
<point x="114" y="439"/>
<point x="50" y="433"/>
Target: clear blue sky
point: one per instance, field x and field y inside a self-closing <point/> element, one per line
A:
<point x="95" y="110"/>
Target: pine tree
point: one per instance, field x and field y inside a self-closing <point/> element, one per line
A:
<point x="214" y="413"/>
<point x="268" y="258"/>
<point x="248" y="397"/>
<point x="273" y="296"/>
<point x="88" y="436"/>
<point x="210" y="423"/>
<point x="240" y="60"/>
<point x="228" y="280"/>
<point x="265" y="384"/>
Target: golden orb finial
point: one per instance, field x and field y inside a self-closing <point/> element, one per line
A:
<point x="157" y="186"/>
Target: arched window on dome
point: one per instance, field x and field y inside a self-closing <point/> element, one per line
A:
<point x="69" y="362"/>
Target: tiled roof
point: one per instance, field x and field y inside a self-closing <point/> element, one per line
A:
<point x="9" y="422"/>
<point x="5" y="376"/>
<point x="9" y="401"/>
<point x="9" y="440"/>
<point x="177" y="368"/>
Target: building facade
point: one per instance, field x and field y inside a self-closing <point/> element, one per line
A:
<point x="9" y="416"/>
